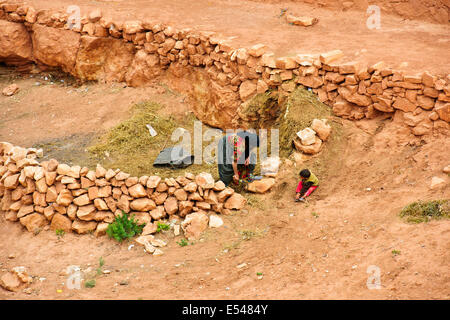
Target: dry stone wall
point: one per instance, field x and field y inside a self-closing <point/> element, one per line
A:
<point x="74" y="198"/>
<point x="221" y="77"/>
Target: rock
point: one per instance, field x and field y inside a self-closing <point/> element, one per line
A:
<point x="257" y="50"/>
<point x="137" y="191"/>
<point x="142" y="204"/>
<point x="64" y="198"/>
<point x="171" y="205"/>
<point x="190" y="187"/>
<point x="10" y="281"/>
<point x="194" y="224"/>
<point x="223" y="195"/>
<point x="149" y="228"/>
<point x="83" y="227"/>
<point x="311" y="149"/>
<point x="25" y="210"/>
<point x="307" y="136"/>
<point x="180" y="194"/>
<point x="82" y="200"/>
<point x="236" y="201"/>
<point x="86" y="213"/>
<point x="11" y="182"/>
<point x="247" y="89"/>
<point x="261" y="186"/>
<point x="100" y="204"/>
<point x="219" y="186"/>
<point x="10" y="90"/>
<point x="185" y="207"/>
<point x="158" y="252"/>
<point x="331" y="56"/>
<point x="153" y="182"/>
<point x="301" y="21"/>
<point x="321" y="128"/>
<point x="215" y="221"/>
<point x="443" y="110"/>
<point x="101" y="230"/>
<point x="15" y="44"/>
<point x="204" y="180"/>
<point x="122" y="176"/>
<point x="141" y="217"/>
<point x="95" y="15"/>
<point x="47" y="48"/>
<point x="446" y="169"/>
<point x="437" y="183"/>
<point x="60" y="222"/>
<point x="34" y="222"/>
<point x="158" y="213"/>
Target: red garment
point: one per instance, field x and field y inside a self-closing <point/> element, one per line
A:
<point x="310" y="190"/>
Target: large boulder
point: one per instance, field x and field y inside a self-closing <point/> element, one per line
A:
<point x="143" y="69"/>
<point x="104" y="59"/>
<point x="15" y="43"/>
<point x="55" y="47"/>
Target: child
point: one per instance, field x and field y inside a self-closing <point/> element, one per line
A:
<point x="306" y="186"/>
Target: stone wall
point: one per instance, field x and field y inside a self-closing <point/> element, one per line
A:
<point x="219" y="76"/>
<point x="72" y="198"/>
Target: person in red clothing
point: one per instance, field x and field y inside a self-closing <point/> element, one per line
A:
<point x="306" y="186"/>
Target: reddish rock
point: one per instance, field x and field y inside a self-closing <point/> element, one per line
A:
<point x="60" y="222"/>
<point x="236" y="201"/>
<point x="194" y="224"/>
<point x="55" y="47"/>
<point x="15" y="43"/>
<point x="34" y="222"/>
<point x="103" y="59"/>
<point x="83" y="227"/>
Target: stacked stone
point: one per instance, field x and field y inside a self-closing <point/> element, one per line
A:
<point x="138" y="51"/>
<point x="74" y="198"/>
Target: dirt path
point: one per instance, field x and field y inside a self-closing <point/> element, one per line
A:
<point x="423" y="45"/>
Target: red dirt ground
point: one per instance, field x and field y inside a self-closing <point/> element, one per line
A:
<point x="317" y="251"/>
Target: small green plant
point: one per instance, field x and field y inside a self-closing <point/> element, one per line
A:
<point x="395" y="252"/>
<point x="259" y="273"/>
<point x="182" y="243"/>
<point x="101" y="262"/>
<point x="314" y="214"/>
<point x="162" y="226"/>
<point x="60" y="232"/>
<point x="424" y="211"/>
<point x="124" y="227"/>
<point x="90" y="283"/>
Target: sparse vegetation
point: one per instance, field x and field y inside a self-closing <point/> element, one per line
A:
<point x="162" y="227"/>
<point x="182" y="243"/>
<point x="424" y="211"/>
<point x="124" y="227"/>
<point x="131" y="136"/>
<point x="90" y="283"/>
<point x="395" y="252"/>
<point x="60" y="232"/>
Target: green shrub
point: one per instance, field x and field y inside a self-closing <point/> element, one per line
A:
<point x="162" y="226"/>
<point x="423" y="211"/>
<point x="182" y="243"/>
<point x="90" y="283"/>
<point x="124" y="227"/>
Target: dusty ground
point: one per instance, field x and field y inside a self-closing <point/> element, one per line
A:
<point x="320" y="250"/>
<point x="423" y="45"/>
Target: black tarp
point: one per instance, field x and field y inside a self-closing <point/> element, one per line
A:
<point x="174" y="157"/>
